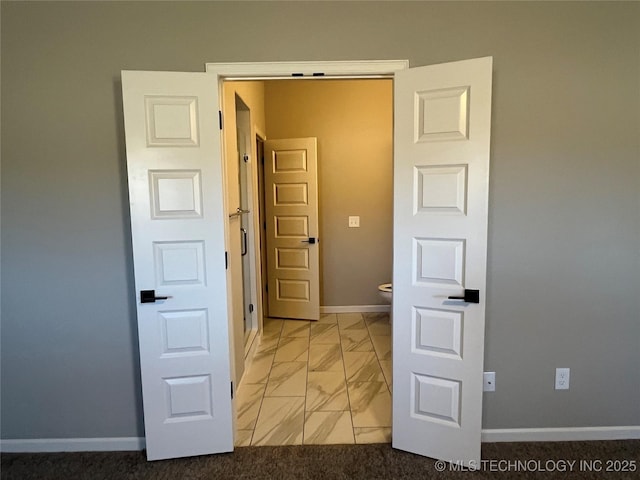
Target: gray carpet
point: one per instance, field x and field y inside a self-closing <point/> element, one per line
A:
<point x="325" y="462"/>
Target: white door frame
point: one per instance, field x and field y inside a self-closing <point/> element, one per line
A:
<point x="306" y="70"/>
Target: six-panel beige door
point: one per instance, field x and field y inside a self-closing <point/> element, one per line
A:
<point x="291" y="204"/>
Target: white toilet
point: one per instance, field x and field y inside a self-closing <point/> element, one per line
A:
<point x="386" y="292"/>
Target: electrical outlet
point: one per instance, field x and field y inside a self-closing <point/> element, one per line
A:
<point x="489" y="382"/>
<point x="562" y="378"/>
<point x="354" y="222"/>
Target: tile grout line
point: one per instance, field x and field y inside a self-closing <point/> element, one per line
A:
<point x="386" y="380"/>
<point x="346" y="382"/>
<point x="375" y="352"/>
<point x="306" y="388"/>
<point x="255" y="425"/>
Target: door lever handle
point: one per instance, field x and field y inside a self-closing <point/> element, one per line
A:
<point x="239" y="212"/>
<point x="310" y="240"/>
<point x="244" y="241"/>
<point x="149" y="296"/>
<point x="470" y="296"/>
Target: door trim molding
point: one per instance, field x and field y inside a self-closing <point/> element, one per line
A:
<point x="316" y="70"/>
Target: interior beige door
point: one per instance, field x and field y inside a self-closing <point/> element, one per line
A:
<point x="291" y="204"/>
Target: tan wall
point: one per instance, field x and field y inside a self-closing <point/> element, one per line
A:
<point x="252" y="94"/>
<point x="353" y="121"/>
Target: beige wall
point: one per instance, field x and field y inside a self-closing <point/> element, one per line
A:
<point x="353" y="121"/>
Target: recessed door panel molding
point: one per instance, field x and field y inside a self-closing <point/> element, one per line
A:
<point x="188" y="398"/>
<point x="438" y="332"/>
<point x="184" y="332"/>
<point x="289" y="226"/>
<point x="436" y="399"/>
<point x="289" y="194"/>
<point x="442" y="114"/>
<point x="439" y="261"/>
<point x="440" y="189"/>
<point x="171" y="121"/>
<point x="175" y="194"/>
<point x="179" y="263"/>
<point x="293" y="290"/>
<point x="292" y="258"/>
<point x="289" y="161"/>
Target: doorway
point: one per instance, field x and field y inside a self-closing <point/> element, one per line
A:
<point x="329" y="382"/>
<point x="352" y="121"/>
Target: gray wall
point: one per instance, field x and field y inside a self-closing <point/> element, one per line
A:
<point x="564" y="266"/>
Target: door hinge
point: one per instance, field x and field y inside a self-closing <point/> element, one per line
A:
<point x="251" y="308"/>
<point x="231" y="390"/>
<point x="264" y="225"/>
<point x="266" y="288"/>
<point x="220" y="118"/>
<point x="226" y="260"/>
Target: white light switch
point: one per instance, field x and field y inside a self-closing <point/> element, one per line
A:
<point x="354" y="222"/>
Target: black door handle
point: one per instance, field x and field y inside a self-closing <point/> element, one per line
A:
<point x="149" y="296"/>
<point x="244" y="241"/>
<point x="470" y="296"/>
<point x="311" y="240"/>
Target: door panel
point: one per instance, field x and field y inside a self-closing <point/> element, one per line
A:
<point x="441" y="172"/>
<point x="291" y="196"/>
<point x="177" y="227"/>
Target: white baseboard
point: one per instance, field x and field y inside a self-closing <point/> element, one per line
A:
<point x="355" y="308"/>
<point x="560" y="434"/>
<point x="115" y="444"/>
<point x="112" y="444"/>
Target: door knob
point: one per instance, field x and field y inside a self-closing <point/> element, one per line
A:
<point x="149" y="296"/>
<point x="470" y="296"/>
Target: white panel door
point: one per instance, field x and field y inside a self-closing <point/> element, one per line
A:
<point x="441" y="177"/>
<point x="177" y="226"/>
<point x="291" y="204"/>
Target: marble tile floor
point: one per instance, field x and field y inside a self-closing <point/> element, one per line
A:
<point x="325" y="382"/>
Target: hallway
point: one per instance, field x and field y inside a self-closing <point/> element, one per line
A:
<point x="325" y="382"/>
